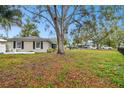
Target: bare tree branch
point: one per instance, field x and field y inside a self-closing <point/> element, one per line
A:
<point x="37" y="14"/>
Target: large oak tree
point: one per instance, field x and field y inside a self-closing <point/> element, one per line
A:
<point x="58" y="17"/>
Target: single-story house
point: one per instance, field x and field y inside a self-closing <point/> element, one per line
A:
<point x="28" y="44"/>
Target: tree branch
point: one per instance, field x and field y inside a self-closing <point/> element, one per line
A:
<point x="40" y="16"/>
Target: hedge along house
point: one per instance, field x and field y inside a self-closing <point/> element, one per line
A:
<point x="28" y="44"/>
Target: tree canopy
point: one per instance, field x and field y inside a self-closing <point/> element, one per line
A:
<point x="29" y="29"/>
<point x="9" y="15"/>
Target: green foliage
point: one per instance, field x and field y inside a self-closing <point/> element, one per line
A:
<point x="50" y="50"/>
<point x="29" y="29"/>
<point x="109" y="42"/>
<point x="97" y="24"/>
<point x="5" y="63"/>
<point x="63" y="72"/>
<point x="114" y="38"/>
<point x="9" y="15"/>
<point x="77" y="37"/>
<point x="50" y="85"/>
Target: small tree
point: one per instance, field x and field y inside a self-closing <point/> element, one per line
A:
<point x="119" y="37"/>
<point x="29" y="29"/>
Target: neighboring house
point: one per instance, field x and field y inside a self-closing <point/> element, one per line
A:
<point x="89" y="43"/>
<point x="28" y="44"/>
<point x="86" y="44"/>
<point x="2" y="46"/>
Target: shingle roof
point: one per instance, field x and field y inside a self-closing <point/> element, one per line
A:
<point x="2" y="40"/>
<point x="28" y="39"/>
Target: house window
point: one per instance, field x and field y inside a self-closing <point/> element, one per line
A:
<point x="37" y="44"/>
<point x="19" y="44"/>
<point x="53" y="46"/>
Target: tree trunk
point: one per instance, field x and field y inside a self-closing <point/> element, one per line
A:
<point x="60" y="45"/>
<point x="58" y="29"/>
<point x="118" y="45"/>
<point x="97" y="45"/>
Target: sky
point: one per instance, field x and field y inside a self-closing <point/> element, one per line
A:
<point x="15" y="30"/>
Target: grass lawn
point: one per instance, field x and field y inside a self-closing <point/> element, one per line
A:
<point x="77" y="68"/>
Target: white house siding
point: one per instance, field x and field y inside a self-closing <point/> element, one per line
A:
<point x="46" y="45"/>
<point x="28" y="46"/>
<point x="9" y="46"/>
<point x="2" y="47"/>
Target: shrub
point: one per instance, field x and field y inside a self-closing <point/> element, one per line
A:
<point x="121" y="50"/>
<point x="50" y="50"/>
<point x="30" y="51"/>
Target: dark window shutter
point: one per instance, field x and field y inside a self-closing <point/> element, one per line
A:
<point x="22" y="44"/>
<point x="33" y="44"/>
<point x="14" y="44"/>
<point x="41" y="44"/>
